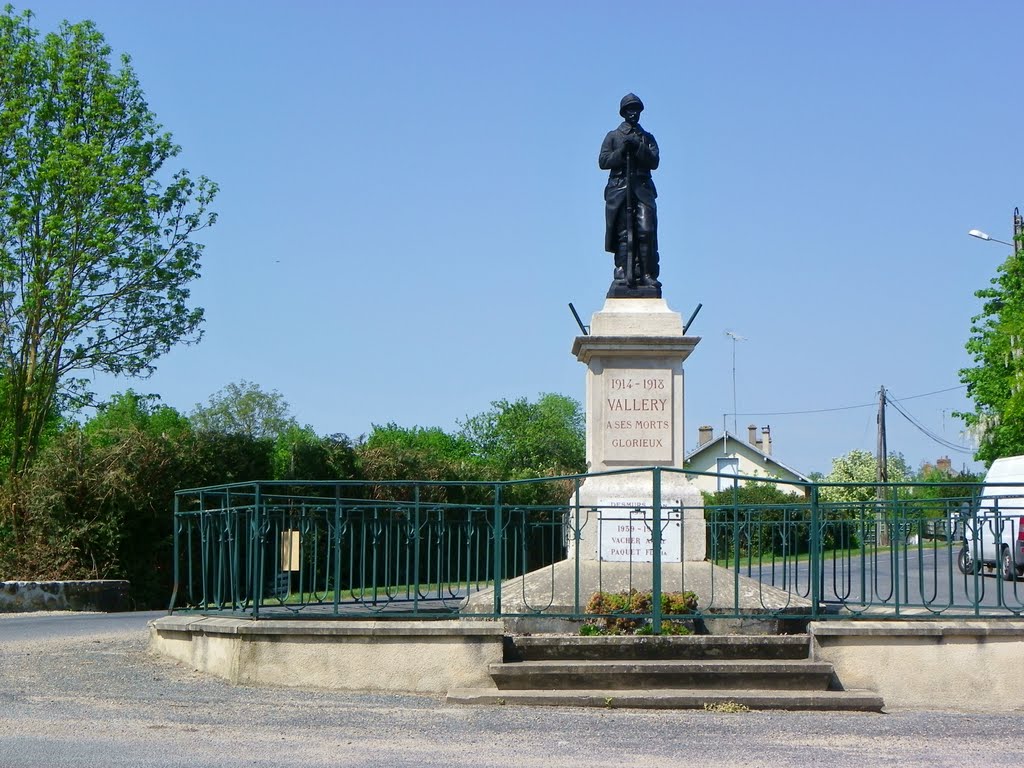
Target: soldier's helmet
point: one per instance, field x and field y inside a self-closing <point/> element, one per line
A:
<point x="630" y="100"/>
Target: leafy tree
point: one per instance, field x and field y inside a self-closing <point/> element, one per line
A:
<point x="860" y="469"/>
<point x="300" y="454"/>
<point x="97" y="500"/>
<point x="996" y="381"/>
<point x="944" y="485"/>
<point x="750" y="493"/>
<point x="392" y="452"/>
<point x="757" y="508"/>
<point x="96" y="236"/>
<point x="244" y="409"/>
<point x="340" y="456"/>
<point x="215" y="458"/>
<point x="52" y="425"/>
<point x="524" y="439"/>
<point x="130" y="410"/>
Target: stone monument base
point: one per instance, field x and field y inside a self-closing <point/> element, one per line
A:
<point x="605" y="502"/>
<point x="553" y="590"/>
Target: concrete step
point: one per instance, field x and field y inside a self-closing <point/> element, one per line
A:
<point x="621" y="648"/>
<point x="732" y="674"/>
<point x="858" y="701"/>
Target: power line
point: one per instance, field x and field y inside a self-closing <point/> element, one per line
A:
<point x="847" y="407"/>
<point x="895" y="403"/>
<point x="816" y="410"/>
<point x="929" y="434"/>
<point x="936" y="392"/>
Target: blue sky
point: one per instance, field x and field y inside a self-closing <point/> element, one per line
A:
<point x="410" y="197"/>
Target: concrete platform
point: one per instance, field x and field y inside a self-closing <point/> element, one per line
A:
<point x="965" y="666"/>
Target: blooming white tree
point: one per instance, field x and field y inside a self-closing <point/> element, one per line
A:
<point x="858" y="470"/>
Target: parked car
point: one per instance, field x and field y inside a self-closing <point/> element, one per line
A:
<point x="993" y="532"/>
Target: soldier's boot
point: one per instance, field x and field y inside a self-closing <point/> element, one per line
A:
<point x="620" y="263"/>
<point x="648" y="266"/>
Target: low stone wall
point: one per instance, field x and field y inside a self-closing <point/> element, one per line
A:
<point x="965" y="666"/>
<point x="99" y="595"/>
<point x="389" y="655"/>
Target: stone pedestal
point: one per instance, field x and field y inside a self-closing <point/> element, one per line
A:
<point x="634" y="358"/>
<point x="614" y="518"/>
<point x="634" y="404"/>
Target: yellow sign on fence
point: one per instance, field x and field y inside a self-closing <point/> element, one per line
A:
<point x="290" y="550"/>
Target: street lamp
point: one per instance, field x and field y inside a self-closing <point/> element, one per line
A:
<point x="985" y="236"/>
<point x="1018" y="231"/>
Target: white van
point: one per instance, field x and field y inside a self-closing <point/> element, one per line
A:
<point x="994" y="533"/>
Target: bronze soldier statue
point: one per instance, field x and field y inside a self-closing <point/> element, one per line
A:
<point x="630" y="153"/>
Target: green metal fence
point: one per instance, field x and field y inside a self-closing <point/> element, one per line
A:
<point x="399" y="549"/>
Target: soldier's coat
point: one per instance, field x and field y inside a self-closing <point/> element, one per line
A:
<point x="613" y="158"/>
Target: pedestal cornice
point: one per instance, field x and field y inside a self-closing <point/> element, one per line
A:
<point x="585" y="348"/>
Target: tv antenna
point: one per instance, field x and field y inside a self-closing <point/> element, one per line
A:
<point x="735" y="337"/>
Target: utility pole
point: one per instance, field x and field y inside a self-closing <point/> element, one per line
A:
<point x="1018" y="232"/>
<point x="883" y="464"/>
<point x="882" y="535"/>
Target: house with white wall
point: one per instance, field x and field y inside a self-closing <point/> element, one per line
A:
<point x="726" y="456"/>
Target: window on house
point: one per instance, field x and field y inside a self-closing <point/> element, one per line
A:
<point x="727" y="467"/>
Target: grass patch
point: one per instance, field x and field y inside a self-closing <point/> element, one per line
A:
<point x="726" y="707"/>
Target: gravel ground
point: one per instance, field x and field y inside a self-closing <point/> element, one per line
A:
<point x="102" y="700"/>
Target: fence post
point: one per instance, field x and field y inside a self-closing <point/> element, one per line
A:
<point x="815" y="553"/>
<point x="736" y="539"/>
<point x="204" y="551"/>
<point x="233" y="535"/>
<point x="177" y="555"/>
<point x="257" y="542"/>
<point x="656" y="546"/>
<point x="574" y="531"/>
<point x="499" y="549"/>
<point x="897" y="542"/>
<point x="336" y="548"/>
<point x="416" y="550"/>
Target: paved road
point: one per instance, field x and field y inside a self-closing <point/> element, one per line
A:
<point x="928" y="577"/>
<point x="66" y="624"/>
<point x="75" y="698"/>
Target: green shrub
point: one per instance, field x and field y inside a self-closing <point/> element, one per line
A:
<point x="626" y="613"/>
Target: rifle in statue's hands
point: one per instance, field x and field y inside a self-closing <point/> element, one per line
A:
<point x="630" y="225"/>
